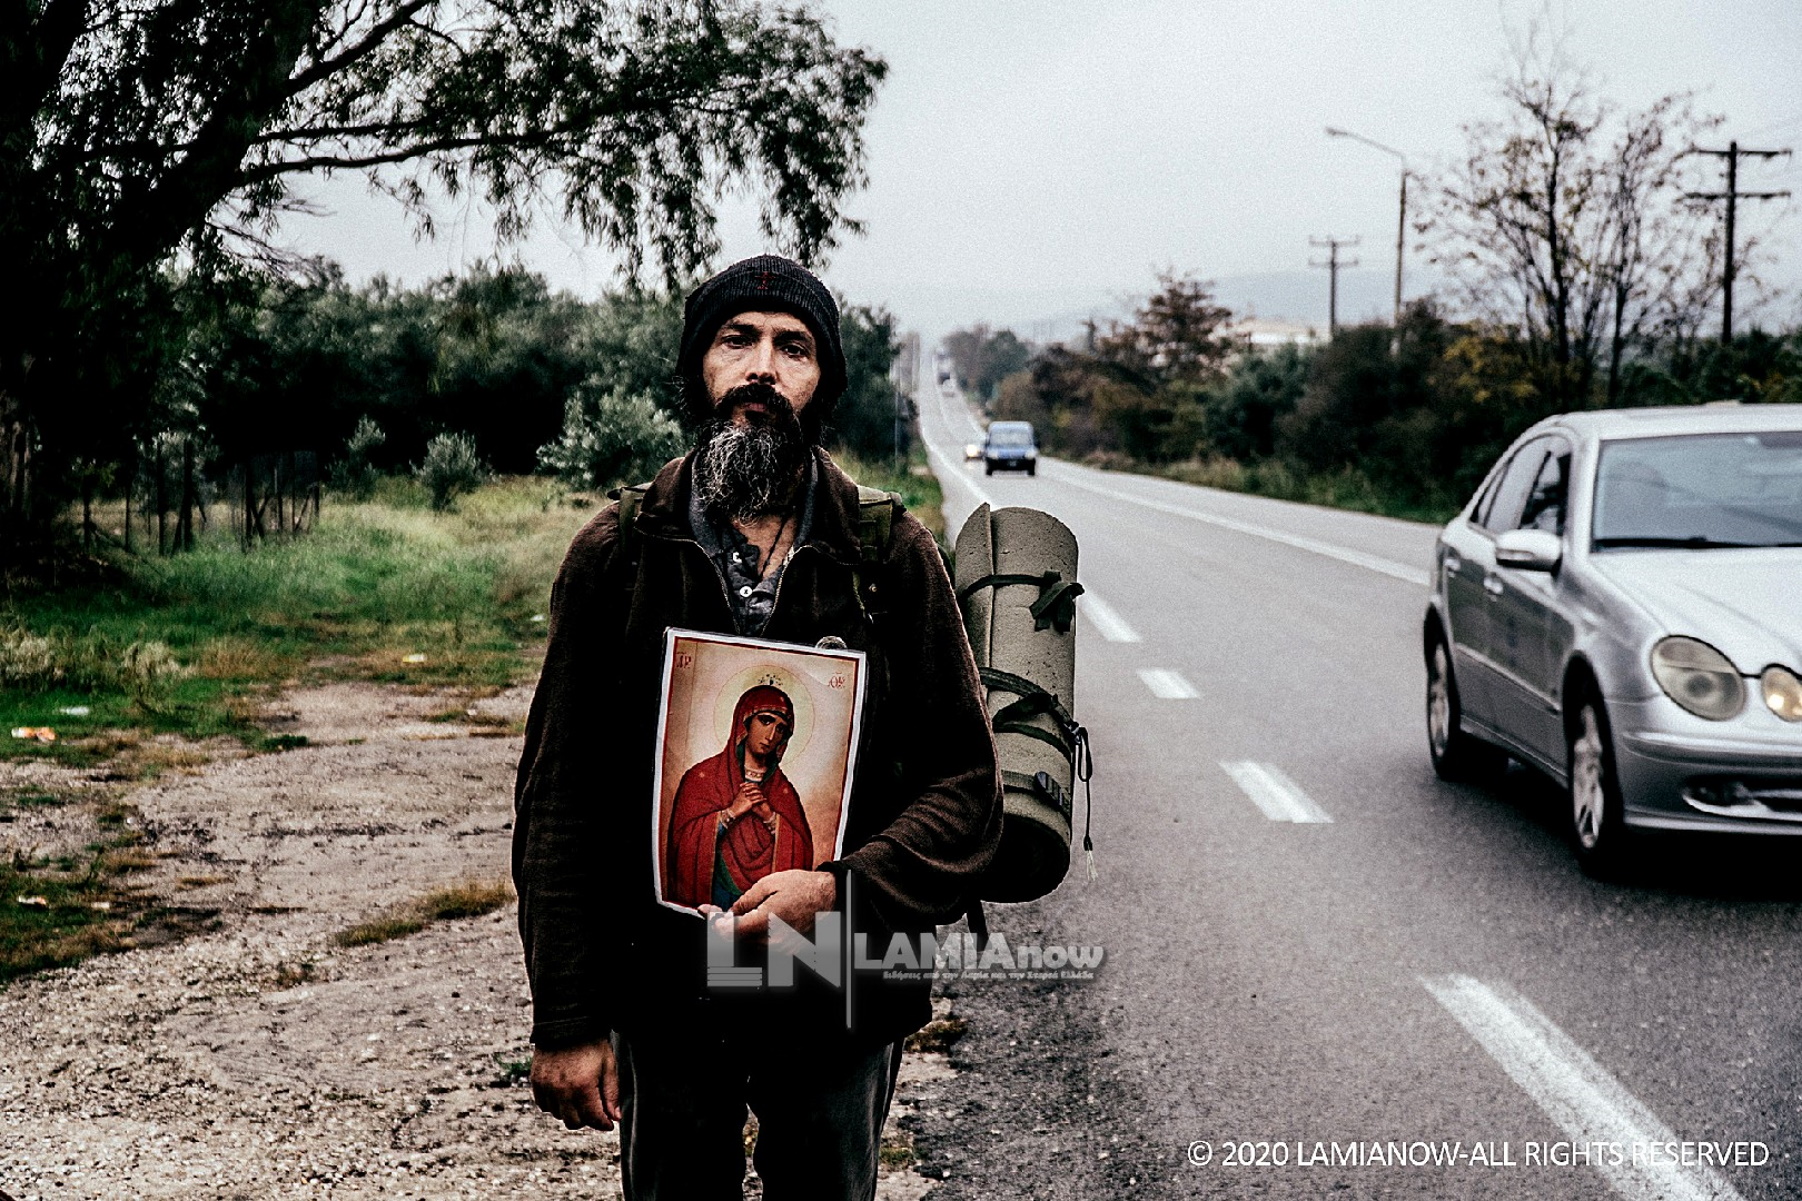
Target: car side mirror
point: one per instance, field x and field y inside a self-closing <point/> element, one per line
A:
<point x="1529" y="550"/>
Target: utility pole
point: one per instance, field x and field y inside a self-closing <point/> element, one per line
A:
<point x="1732" y="196"/>
<point x="1401" y="222"/>
<point x="1332" y="265"/>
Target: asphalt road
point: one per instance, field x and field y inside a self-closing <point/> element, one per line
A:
<point x="1324" y="966"/>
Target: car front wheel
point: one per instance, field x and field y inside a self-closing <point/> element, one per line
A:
<point x="1598" y="832"/>
<point x="1457" y="756"/>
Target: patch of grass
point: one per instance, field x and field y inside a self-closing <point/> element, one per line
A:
<point x="472" y="898"/>
<point x="896" y="1151"/>
<point x="939" y="1034"/>
<point x="58" y="911"/>
<point x="381" y="929"/>
<point x="916" y="485"/>
<point x="1347" y="489"/>
<point x="188" y="643"/>
<point x="512" y="1071"/>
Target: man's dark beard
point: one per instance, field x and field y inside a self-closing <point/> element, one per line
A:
<point x="748" y="471"/>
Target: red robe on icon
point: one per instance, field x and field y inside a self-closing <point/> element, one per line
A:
<point x="710" y="865"/>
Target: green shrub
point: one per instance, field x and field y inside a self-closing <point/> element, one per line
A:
<point x="611" y="437"/>
<point x="356" y="473"/>
<point x="451" y="468"/>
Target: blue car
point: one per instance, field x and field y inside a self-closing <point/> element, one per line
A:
<point x="1009" y="446"/>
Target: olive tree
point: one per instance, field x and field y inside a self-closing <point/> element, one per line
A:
<point x="142" y="133"/>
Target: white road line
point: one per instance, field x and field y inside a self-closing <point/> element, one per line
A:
<point x="1167" y="685"/>
<point x="1281" y="799"/>
<point x="1588" y="1104"/>
<point x="954" y="472"/>
<point x="1388" y="567"/>
<point x="1109" y="624"/>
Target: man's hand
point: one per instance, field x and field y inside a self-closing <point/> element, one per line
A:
<point x="579" y="1085"/>
<point x="796" y="897"/>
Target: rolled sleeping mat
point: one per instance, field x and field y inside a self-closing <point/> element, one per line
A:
<point x="1016" y="581"/>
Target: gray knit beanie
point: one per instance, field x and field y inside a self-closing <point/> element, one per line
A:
<point x="766" y="283"/>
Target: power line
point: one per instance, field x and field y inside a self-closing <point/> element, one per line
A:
<point x="1333" y="264"/>
<point x="1733" y="196"/>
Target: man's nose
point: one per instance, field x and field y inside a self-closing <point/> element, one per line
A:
<point x="762" y="366"/>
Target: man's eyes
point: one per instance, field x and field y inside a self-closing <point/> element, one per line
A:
<point x="742" y="340"/>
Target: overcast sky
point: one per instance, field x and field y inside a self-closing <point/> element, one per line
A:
<point x="1038" y="161"/>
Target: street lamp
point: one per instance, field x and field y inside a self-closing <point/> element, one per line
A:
<point x="1401" y="225"/>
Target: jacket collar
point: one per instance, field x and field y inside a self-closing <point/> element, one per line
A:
<point x="664" y="511"/>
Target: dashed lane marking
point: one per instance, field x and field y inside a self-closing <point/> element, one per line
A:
<point x="1167" y="685"/>
<point x="1281" y="799"/>
<point x="1578" y="1094"/>
<point x="1109" y="624"/>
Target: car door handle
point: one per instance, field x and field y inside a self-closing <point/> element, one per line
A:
<point x="1453" y="563"/>
<point x="1492" y="586"/>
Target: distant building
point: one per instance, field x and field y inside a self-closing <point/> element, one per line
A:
<point x="1270" y="332"/>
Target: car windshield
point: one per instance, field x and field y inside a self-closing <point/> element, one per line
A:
<point x="1700" y="491"/>
<point x="1010" y="435"/>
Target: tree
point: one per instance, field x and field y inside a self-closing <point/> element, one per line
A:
<point x="1154" y="371"/>
<point x="1178" y="336"/>
<point x="871" y="419"/>
<point x="1260" y="388"/>
<point x="137" y="132"/>
<point x="1566" y="226"/>
<point x="611" y="437"/>
<point x="983" y="357"/>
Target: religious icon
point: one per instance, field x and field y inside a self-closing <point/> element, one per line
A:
<point x="756" y="745"/>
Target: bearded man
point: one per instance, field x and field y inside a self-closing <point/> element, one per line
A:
<point x="753" y="532"/>
<point x="737" y="818"/>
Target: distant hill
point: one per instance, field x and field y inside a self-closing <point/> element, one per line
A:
<point x="1059" y="315"/>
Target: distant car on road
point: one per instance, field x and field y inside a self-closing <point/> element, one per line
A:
<point x="1620" y="606"/>
<point x="1009" y="446"/>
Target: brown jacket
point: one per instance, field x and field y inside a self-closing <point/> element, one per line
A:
<point x="925" y="810"/>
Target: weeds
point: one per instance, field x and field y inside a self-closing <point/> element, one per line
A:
<point x="940" y="1034"/>
<point x="513" y="1072"/>
<point x="381" y="929"/>
<point x="190" y="643"/>
<point x="472" y="898"/>
<point x="916" y="485"/>
<point x="1348" y="488"/>
<point x="61" y="909"/>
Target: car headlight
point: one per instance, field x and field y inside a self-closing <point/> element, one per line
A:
<point x="1698" y="677"/>
<point x="1782" y="693"/>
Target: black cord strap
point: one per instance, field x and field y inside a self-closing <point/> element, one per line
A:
<point x="1056" y="606"/>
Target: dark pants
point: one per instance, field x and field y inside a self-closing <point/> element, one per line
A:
<point x="819" y="1116"/>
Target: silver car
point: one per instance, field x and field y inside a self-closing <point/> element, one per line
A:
<point x="1620" y="606"/>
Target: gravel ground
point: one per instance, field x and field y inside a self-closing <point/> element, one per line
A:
<point x="257" y="1058"/>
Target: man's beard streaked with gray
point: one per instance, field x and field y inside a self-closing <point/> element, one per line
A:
<point x="750" y="470"/>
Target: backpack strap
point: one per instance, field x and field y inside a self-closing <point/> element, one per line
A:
<point x="875" y="529"/>
<point x="1056" y="606"/>
<point x="631" y="499"/>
